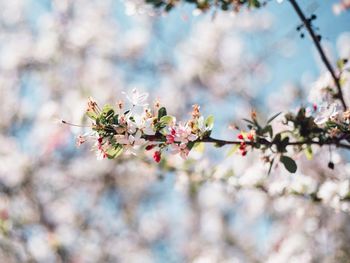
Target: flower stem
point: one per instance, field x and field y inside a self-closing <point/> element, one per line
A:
<point x="320" y="50"/>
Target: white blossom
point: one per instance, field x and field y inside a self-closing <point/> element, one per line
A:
<point x="327" y="112"/>
<point x="137" y="98"/>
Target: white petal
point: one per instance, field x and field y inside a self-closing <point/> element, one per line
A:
<point x="192" y="137"/>
<point x="149" y="131"/>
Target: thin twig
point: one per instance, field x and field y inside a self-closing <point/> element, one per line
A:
<point x="320" y="50"/>
<point x="220" y="142"/>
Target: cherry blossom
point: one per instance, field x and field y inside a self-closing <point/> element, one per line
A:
<point x="137" y="98"/>
<point x="327" y="112"/>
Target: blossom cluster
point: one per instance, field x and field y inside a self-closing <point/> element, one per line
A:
<point x="127" y="129"/>
<point x="331" y="116"/>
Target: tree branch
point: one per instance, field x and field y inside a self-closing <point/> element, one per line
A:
<point x="320" y="50"/>
<point x="334" y="142"/>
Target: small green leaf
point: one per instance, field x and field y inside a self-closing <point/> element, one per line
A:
<point x="289" y="163"/>
<point x="308" y="152"/>
<point x="273" y="117"/>
<point x="270" y="130"/>
<point x="341" y="63"/>
<point x="116" y="119"/>
<point x="277" y="138"/>
<point x="92" y="115"/>
<point x="114" y="151"/>
<point x="106" y="108"/>
<point x="161" y="113"/>
<point x="254" y="3"/>
<point x="107" y="112"/>
<point x="270" y="167"/>
<point x="249" y="121"/>
<point x="267" y="129"/>
<point x="219" y="144"/>
<point x="209" y="122"/>
<point x="168" y="7"/>
<point x="166" y="119"/>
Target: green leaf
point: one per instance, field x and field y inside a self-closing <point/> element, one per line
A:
<point x="233" y="150"/>
<point x="249" y="121"/>
<point x="168" y="7"/>
<point x="254" y="3"/>
<point x="341" y="63"/>
<point x="92" y="115"/>
<point x="114" y="151"/>
<point x="106" y="108"/>
<point x="270" y="167"/>
<point x="273" y="117"/>
<point x="209" y="122"/>
<point x="267" y="129"/>
<point x="277" y="138"/>
<point x="308" y="152"/>
<point x="115" y="119"/>
<point x="289" y="163"/>
<point x="166" y="119"/>
<point x="107" y="112"/>
<point x="270" y="130"/>
<point x="219" y="144"/>
<point x="161" y="113"/>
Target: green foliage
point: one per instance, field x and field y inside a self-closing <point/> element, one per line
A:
<point x="308" y="152"/>
<point x="341" y="63"/>
<point x="289" y="163"/>
<point x="273" y="117"/>
<point x="166" y="119"/>
<point x="209" y="122"/>
<point x="92" y="115"/>
<point x="107" y="113"/>
<point x="114" y="151"/>
<point x="161" y="113"/>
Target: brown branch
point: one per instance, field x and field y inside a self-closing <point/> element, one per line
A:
<point x="265" y="142"/>
<point x="320" y="50"/>
<point x="335" y="142"/>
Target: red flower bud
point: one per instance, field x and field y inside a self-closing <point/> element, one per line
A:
<point x="149" y="147"/>
<point x="157" y="156"/>
<point x="244" y="153"/>
<point x="250" y="137"/>
<point x="240" y="136"/>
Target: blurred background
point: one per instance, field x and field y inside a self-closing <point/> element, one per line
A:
<point x="59" y="204"/>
